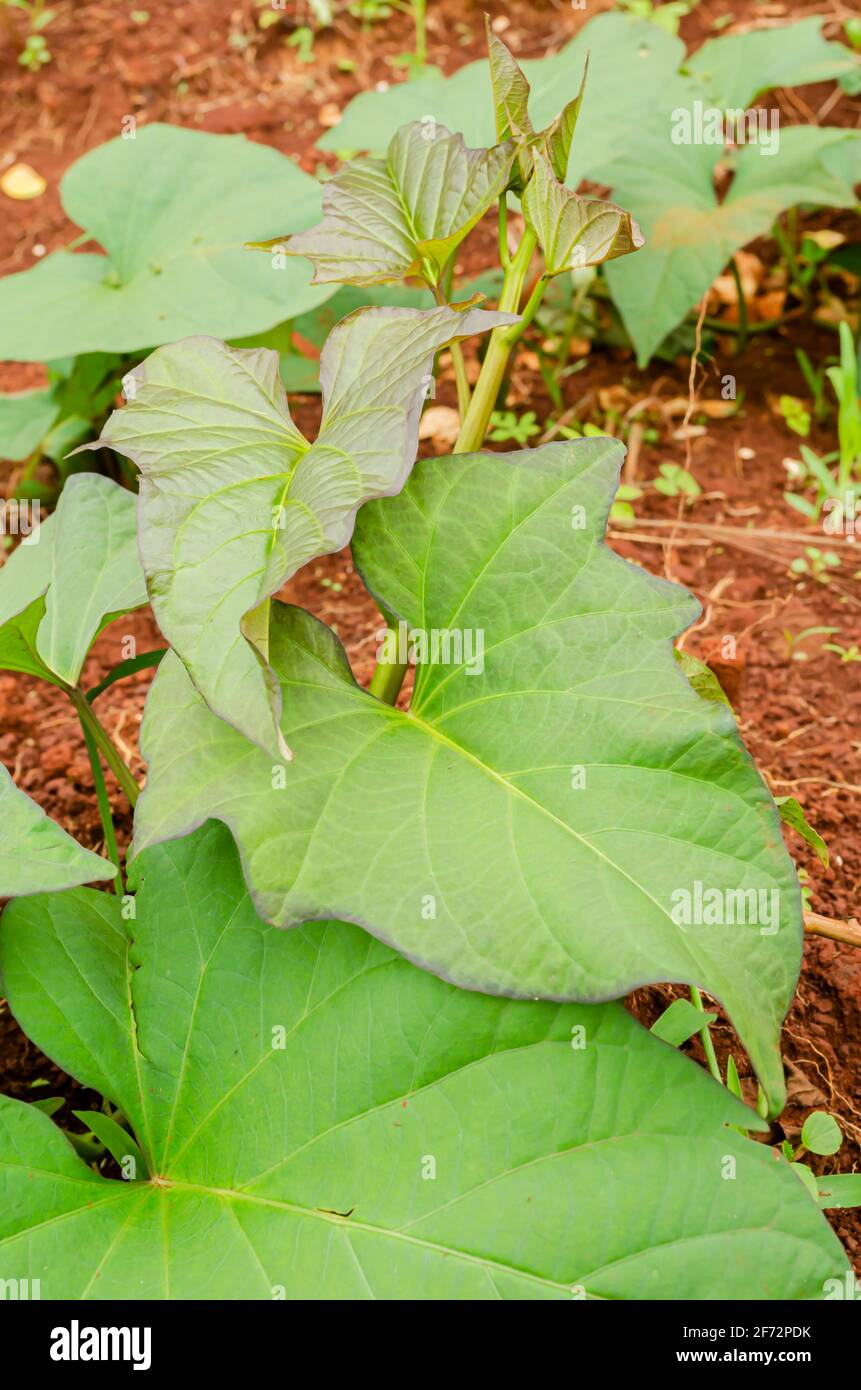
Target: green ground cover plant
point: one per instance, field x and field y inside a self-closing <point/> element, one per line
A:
<point x="170" y="210"/>
<point x="350" y="1006"/>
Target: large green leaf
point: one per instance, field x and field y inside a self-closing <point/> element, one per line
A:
<point x="526" y="826"/>
<point x="36" y="855"/>
<point x="173" y="210"/>
<point x="323" y="1121"/>
<point x="574" y="232"/>
<point x="690" y="237"/>
<point x="404" y="215"/>
<point x="61" y="586"/>
<point x="734" y="69"/>
<point x="233" y="499"/>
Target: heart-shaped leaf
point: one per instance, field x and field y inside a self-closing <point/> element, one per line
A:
<point x="404" y="215"/>
<point x="173" y="210"/>
<point x="68" y="579"/>
<point x="690" y="236"/>
<point x="320" y="1120"/>
<point x="558" y="814"/>
<point x="574" y="232"/>
<point x="36" y="855"/>
<point x="233" y="499"/>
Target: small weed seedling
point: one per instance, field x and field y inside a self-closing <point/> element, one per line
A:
<point x="35" y="53"/>
<point x="833" y="487"/>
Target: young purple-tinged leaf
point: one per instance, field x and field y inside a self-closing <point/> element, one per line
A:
<point x="510" y="89"/>
<point x="36" y="854"/>
<point x="234" y="499"/>
<point x="574" y="232"/>
<point x="322" y="1120"/>
<point x="558" y="136"/>
<point x="558" y="814"/>
<point x="404" y="215"/>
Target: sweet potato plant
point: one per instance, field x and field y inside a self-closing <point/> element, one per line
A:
<point x="422" y="1089"/>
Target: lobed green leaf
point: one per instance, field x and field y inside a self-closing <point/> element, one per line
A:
<point x="532" y="824"/>
<point x="323" y="1121"/>
<point x="173" y="209"/>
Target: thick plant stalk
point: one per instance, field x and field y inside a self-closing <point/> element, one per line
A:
<point x="387" y="680"/>
<point x="474" y="428"/>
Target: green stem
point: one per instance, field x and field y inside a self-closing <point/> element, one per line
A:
<point x="105" y="745"/>
<point x="387" y="680"/>
<point x="705" y="1035"/>
<point x="532" y="304"/>
<point x="764" y="326"/>
<point x="462" y="380"/>
<point x="741" y="344"/>
<point x="786" y="243"/>
<point x="458" y="362"/>
<point x="504" y="253"/>
<point x="502" y="340"/>
<point x="421" y="34"/>
<point x="104" y="809"/>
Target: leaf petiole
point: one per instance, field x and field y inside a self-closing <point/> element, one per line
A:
<point x="104" y="809"/>
<point x="706" y="1037"/>
<point x="105" y="744"/>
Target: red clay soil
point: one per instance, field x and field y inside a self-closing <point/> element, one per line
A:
<point x="207" y="65"/>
